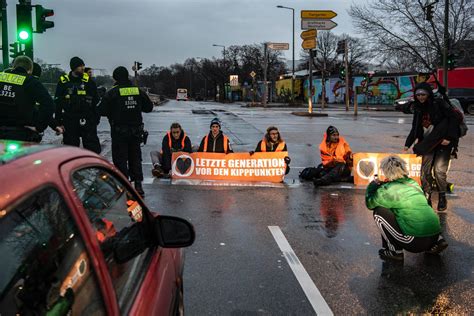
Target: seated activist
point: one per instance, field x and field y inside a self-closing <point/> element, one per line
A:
<point x="215" y="141"/>
<point x="272" y="142"/>
<point x="402" y="213"/>
<point x="175" y="140"/>
<point x="336" y="158"/>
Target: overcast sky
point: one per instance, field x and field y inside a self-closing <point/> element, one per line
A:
<point x="109" y="33"/>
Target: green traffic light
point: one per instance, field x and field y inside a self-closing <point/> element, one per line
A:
<point x="24" y="35"/>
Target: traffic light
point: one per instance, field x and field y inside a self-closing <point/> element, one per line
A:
<point x="139" y="65"/>
<point x="429" y="12"/>
<point x="342" y="73"/>
<point x="24" y="29"/>
<point x="341" y="47"/>
<point x="14" y="50"/>
<point x="451" y="61"/>
<point x="41" y="15"/>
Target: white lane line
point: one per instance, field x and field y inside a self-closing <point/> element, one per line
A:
<point x="312" y="293"/>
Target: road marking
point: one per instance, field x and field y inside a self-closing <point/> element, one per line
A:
<point x="312" y="293"/>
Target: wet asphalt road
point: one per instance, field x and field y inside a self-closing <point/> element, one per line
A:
<point x="236" y="266"/>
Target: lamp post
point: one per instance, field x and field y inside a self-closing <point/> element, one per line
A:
<point x="225" y="69"/>
<point x="293" y="54"/>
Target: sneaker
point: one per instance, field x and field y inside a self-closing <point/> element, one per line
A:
<point x="386" y="254"/>
<point x="438" y="247"/>
<point x="157" y="172"/>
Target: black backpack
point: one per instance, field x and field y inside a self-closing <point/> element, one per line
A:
<point x="308" y="173"/>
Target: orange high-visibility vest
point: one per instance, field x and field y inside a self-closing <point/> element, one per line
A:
<point x="263" y="146"/>
<point x="182" y="141"/>
<point x="339" y="155"/>
<point x="109" y="231"/>
<point x="206" y="139"/>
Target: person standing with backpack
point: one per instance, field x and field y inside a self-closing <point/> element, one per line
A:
<point x="436" y="129"/>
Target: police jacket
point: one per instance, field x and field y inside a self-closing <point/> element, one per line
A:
<point x="220" y="144"/>
<point x="76" y="98"/>
<point x="124" y="103"/>
<point x="20" y="92"/>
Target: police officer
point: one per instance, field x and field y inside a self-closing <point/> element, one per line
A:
<point x="76" y="107"/>
<point x="20" y="118"/>
<point x="123" y="105"/>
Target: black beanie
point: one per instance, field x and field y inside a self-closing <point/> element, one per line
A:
<point x="215" y="121"/>
<point x="120" y="74"/>
<point x="331" y="130"/>
<point x="76" y="62"/>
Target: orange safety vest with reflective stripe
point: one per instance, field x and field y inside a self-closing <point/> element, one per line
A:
<point x="339" y="154"/>
<point x="109" y="231"/>
<point x="171" y="144"/>
<point x="226" y="140"/>
<point x="263" y="146"/>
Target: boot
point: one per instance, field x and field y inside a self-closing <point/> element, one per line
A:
<point x="157" y="171"/>
<point x="442" y="202"/>
<point x="428" y="198"/>
<point x="139" y="188"/>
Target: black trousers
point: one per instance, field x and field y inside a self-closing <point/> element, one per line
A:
<point x="338" y="173"/>
<point x="74" y="132"/>
<point x="21" y="134"/>
<point x="434" y="168"/>
<point x="127" y="155"/>
<point x="393" y="237"/>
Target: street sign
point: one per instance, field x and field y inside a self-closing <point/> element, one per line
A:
<point x="234" y="80"/>
<point x="279" y="46"/>
<point x="315" y="24"/>
<point x="253" y="74"/>
<point x="318" y="14"/>
<point x="309" y="43"/>
<point x="309" y="34"/>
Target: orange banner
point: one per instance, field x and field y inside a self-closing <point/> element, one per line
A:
<point x="366" y="165"/>
<point x="259" y="167"/>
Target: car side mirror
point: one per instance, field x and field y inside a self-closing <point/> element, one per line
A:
<point x="174" y="232"/>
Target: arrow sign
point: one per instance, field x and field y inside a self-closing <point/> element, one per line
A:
<point x="318" y="24"/>
<point x="318" y="14"/>
<point x="309" y="43"/>
<point x="279" y="46"/>
<point x="309" y="34"/>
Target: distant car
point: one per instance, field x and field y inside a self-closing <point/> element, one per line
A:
<point x="182" y="94"/>
<point x="465" y="96"/>
<point x="407" y="106"/>
<point x="77" y="239"/>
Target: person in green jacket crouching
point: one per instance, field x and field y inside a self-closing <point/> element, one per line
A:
<point x="402" y="213"/>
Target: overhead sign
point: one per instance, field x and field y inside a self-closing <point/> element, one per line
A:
<point x="234" y="80"/>
<point x="318" y="14"/>
<point x="253" y="74"/>
<point x="309" y="43"/>
<point x="279" y="46"/>
<point x="309" y="34"/>
<point x="315" y="24"/>
<point x="259" y="167"/>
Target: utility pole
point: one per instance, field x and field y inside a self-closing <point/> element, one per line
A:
<point x="265" y="85"/>
<point x="5" y="56"/>
<point x="446" y="45"/>
<point x="323" y="84"/>
<point x="346" y="66"/>
<point x="310" y="67"/>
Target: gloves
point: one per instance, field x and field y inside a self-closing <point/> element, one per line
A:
<point x="287" y="160"/>
<point x="251" y="152"/>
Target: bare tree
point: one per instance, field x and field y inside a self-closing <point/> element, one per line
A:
<point x="397" y="28"/>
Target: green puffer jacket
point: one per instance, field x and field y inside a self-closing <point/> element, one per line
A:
<point x="406" y="200"/>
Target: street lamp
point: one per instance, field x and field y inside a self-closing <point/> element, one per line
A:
<point x="293" y="58"/>
<point x="225" y="69"/>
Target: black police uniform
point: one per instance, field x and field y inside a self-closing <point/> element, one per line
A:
<point x="20" y="93"/>
<point x="123" y="105"/>
<point x="76" y="110"/>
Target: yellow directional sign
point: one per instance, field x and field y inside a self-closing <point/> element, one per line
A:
<point x="309" y="34"/>
<point x="318" y="14"/>
<point x="309" y="43"/>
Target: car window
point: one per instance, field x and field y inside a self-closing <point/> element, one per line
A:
<point x="45" y="268"/>
<point x="113" y="210"/>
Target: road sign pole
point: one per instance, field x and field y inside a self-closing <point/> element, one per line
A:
<point x="310" y="67"/>
<point x="265" y="85"/>
<point x="5" y="55"/>
<point x="346" y="65"/>
<point x="293" y="63"/>
<point x="323" y="85"/>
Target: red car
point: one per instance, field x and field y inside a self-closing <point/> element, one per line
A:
<point x="76" y="238"/>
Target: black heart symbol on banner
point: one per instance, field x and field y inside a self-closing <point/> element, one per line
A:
<point x="366" y="168"/>
<point x="183" y="164"/>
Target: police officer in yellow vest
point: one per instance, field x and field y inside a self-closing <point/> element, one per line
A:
<point x="123" y="105"/>
<point x="76" y="107"/>
<point x="26" y="107"/>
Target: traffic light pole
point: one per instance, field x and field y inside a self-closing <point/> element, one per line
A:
<point x="5" y="55"/>
<point x="265" y="84"/>
<point x="446" y="44"/>
<point x="346" y="66"/>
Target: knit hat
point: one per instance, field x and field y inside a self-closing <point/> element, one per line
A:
<point x="331" y="130"/>
<point x="76" y="62"/>
<point x="215" y="121"/>
<point x="120" y="74"/>
<point x="423" y="87"/>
